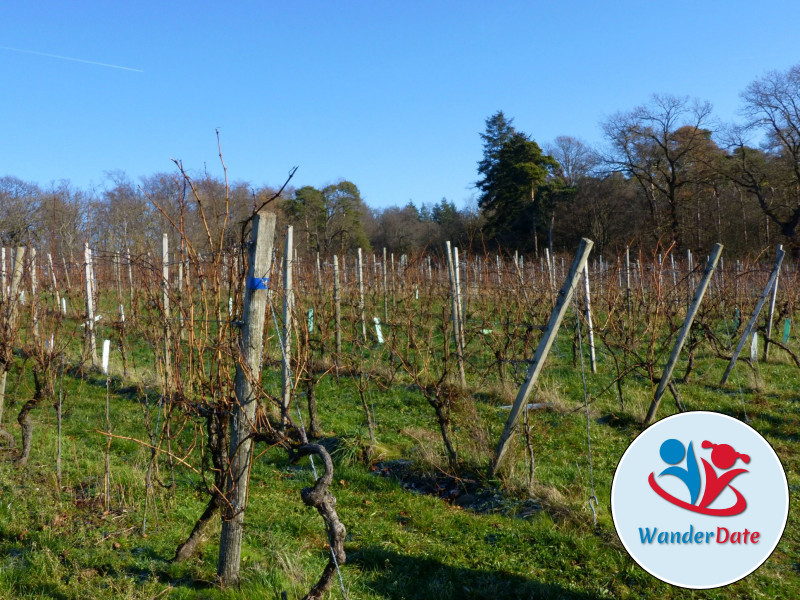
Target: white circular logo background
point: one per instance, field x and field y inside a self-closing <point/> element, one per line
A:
<point x="699" y="500"/>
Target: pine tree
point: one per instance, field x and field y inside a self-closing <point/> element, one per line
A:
<point x="514" y="167"/>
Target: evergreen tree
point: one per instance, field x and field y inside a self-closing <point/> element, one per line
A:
<point x="499" y="130"/>
<point x="514" y="167"/>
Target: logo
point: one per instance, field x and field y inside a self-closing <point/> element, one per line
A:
<point x="723" y="457"/>
<point x="699" y="500"/>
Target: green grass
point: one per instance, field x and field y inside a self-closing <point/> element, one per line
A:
<point x="401" y="544"/>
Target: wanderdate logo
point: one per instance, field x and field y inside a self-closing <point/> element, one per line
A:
<point x="723" y="457"/>
<point x="699" y="500"/>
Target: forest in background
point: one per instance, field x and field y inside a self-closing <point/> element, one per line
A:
<point x="668" y="173"/>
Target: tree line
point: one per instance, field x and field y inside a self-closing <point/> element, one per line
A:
<point x="667" y="174"/>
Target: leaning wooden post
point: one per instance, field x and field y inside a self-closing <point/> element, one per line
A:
<point x="248" y="380"/>
<point x="684" y="332"/>
<point x="456" y="314"/>
<point x="288" y="311"/>
<point x="756" y="311"/>
<point x="90" y="340"/>
<point x="532" y="377"/>
<point x="771" y="314"/>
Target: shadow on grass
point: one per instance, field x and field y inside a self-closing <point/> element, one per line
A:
<point x="400" y="576"/>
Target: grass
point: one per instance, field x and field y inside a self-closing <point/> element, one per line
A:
<point x="401" y="544"/>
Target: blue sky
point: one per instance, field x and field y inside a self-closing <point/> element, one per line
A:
<point x="390" y="95"/>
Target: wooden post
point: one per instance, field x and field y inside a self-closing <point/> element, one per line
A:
<point x="385" y="289"/>
<point x="248" y="379"/>
<point x="393" y="275"/>
<point x="16" y="281"/>
<point x="456" y="314"/>
<point x="34" y="298"/>
<point x="130" y="277"/>
<point x="550" y="270"/>
<point x="587" y="307"/>
<point x="361" y="312"/>
<point x="628" y="281"/>
<point x="684" y="332"/>
<point x="532" y="377"/>
<point x="165" y="306"/>
<point x="520" y="275"/>
<point x="3" y="273"/>
<point x="759" y="305"/>
<point x="55" y="284"/>
<point x="771" y="314"/>
<point x="90" y="340"/>
<point x="337" y="308"/>
<point x="288" y="310"/>
<point x="459" y="301"/>
<point x="10" y="317"/>
<point x="66" y="274"/>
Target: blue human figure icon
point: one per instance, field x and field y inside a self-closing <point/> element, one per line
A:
<point x="672" y="453"/>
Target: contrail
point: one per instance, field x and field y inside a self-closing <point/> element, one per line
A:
<point x="80" y="60"/>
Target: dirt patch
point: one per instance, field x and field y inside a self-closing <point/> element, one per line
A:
<point x="465" y="493"/>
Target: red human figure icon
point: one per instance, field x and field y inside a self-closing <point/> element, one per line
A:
<point x="724" y="457"/>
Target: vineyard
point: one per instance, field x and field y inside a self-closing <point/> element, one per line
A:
<point x="247" y="419"/>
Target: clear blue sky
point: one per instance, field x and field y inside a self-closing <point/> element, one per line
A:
<point x="390" y="95"/>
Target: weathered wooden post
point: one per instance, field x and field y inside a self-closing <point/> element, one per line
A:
<point x="684" y="332"/>
<point x="756" y="311"/>
<point x="628" y="281"/>
<point x="288" y="311"/>
<point x="248" y="379"/>
<point x="456" y="314"/>
<point x="66" y="274"/>
<point x="34" y="297"/>
<point x="337" y="308"/>
<point x="393" y="282"/>
<point x="53" y="277"/>
<point x="130" y="276"/>
<point x="166" y="312"/>
<point x="550" y="270"/>
<point x="385" y="288"/>
<point x="10" y="318"/>
<point x="587" y="307"/>
<point x="361" y="308"/>
<point x="90" y="340"/>
<point x="532" y="377"/>
<point x="459" y="301"/>
<point x="3" y="273"/>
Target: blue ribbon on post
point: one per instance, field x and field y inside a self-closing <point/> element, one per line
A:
<point x="258" y="283"/>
